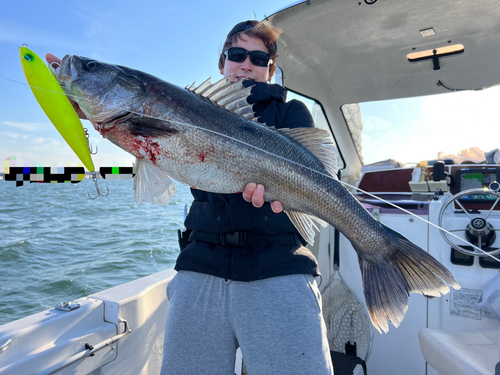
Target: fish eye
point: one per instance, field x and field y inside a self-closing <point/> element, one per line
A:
<point x="29" y="57"/>
<point x="90" y="65"/>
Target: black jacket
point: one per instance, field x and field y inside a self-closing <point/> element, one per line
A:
<point x="227" y="213"/>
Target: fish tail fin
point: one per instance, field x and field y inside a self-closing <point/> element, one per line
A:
<point x="388" y="283"/>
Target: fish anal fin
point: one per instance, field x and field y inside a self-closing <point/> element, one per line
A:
<point x="319" y="142"/>
<point x="305" y="224"/>
<point x="151" y="184"/>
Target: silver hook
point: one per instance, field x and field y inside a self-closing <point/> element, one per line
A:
<point x="94" y="177"/>
<point x="88" y="143"/>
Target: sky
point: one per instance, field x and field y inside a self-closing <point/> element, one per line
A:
<point x="411" y="130"/>
<point x="177" y="41"/>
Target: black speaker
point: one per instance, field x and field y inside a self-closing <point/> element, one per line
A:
<point x="438" y="171"/>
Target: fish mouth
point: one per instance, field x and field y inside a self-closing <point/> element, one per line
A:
<point x="65" y="71"/>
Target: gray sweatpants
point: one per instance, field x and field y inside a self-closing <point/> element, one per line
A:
<point x="277" y="322"/>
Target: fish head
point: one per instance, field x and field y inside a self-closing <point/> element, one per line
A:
<point x="106" y="93"/>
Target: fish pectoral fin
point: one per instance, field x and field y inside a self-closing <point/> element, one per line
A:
<point x="319" y="142"/>
<point x="150" y="127"/>
<point x="151" y="184"/>
<point x="305" y="224"/>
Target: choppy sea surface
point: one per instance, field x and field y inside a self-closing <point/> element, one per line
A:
<point x="58" y="245"/>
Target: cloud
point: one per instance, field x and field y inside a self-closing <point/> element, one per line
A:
<point x="38" y="140"/>
<point x="375" y="123"/>
<point x="39" y="149"/>
<point x="27" y="126"/>
<point x="56" y="143"/>
<point x="10" y="135"/>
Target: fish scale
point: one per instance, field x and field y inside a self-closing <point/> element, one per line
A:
<point x="197" y="140"/>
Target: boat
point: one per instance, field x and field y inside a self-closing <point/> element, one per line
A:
<point x="392" y="81"/>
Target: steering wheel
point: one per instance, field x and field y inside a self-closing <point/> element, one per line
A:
<point x="479" y="231"/>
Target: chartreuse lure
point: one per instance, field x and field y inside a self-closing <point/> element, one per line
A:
<point x="55" y="104"/>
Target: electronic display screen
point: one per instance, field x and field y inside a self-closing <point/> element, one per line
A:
<point x="480" y="178"/>
<point x="460" y="258"/>
<point x="477" y="180"/>
<point x="487" y="262"/>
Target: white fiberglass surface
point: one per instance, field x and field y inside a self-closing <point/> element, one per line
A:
<point x="425" y="128"/>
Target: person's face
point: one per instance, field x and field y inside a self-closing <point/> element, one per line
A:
<point x="237" y="71"/>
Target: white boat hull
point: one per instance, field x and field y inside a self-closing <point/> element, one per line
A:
<point x="48" y="339"/>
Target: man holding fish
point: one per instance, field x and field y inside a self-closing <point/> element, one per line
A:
<point x="244" y="277"/>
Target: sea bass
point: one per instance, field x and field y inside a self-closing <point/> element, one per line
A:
<point x="206" y="137"/>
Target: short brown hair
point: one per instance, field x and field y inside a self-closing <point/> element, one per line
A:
<point x="267" y="33"/>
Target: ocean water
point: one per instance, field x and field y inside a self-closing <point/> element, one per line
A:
<point x="58" y="245"/>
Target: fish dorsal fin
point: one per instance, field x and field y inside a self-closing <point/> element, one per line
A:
<point x="319" y="142"/>
<point x="305" y="224"/>
<point x="151" y="184"/>
<point x="202" y="87"/>
<point x="229" y="95"/>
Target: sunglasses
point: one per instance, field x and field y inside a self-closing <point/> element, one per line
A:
<point x="238" y="54"/>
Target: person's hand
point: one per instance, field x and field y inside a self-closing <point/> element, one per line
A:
<point x="255" y="193"/>
<point x="54" y="59"/>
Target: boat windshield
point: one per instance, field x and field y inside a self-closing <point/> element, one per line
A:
<point x="410" y="130"/>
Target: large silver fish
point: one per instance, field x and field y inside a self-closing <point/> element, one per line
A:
<point x="207" y="138"/>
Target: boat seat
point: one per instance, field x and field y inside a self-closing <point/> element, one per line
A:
<point x="461" y="352"/>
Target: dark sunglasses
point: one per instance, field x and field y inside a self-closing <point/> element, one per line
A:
<point x="238" y="54"/>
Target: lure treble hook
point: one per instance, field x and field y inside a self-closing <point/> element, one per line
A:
<point x="99" y="194"/>
<point x="88" y="143"/>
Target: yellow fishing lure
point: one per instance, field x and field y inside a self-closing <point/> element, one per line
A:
<point x="55" y="104"/>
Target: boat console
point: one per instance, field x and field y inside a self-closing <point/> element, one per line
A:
<point x="470" y="194"/>
<point x="458" y="227"/>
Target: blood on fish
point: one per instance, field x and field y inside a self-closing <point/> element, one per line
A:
<point x="151" y="148"/>
<point x="206" y="152"/>
<point x="141" y="147"/>
<point x="101" y="129"/>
